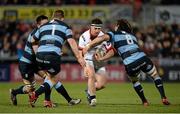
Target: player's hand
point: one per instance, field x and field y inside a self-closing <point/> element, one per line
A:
<point x="97" y="57"/>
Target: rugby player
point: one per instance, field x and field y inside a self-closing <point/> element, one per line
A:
<point x="134" y="59"/>
<point x="51" y="36"/>
<point x="97" y="75"/>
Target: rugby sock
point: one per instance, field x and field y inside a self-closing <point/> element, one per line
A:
<point x="48" y="95"/>
<point x="139" y="90"/>
<point x="44" y="87"/>
<point x="19" y="90"/>
<point x="92" y="97"/>
<point x="159" y="86"/>
<point x="60" y="89"/>
<point x="48" y="91"/>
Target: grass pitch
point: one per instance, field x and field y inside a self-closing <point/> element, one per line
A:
<point x="115" y="98"/>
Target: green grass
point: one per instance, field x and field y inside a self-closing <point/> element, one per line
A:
<point x="115" y="98"/>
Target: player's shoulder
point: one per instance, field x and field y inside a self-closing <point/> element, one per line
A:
<point x="101" y="33"/>
<point x="33" y="31"/>
<point x="85" y="34"/>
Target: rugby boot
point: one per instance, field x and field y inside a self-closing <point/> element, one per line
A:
<point x="32" y="99"/>
<point x="74" y="102"/>
<point x="49" y="104"/>
<point x="145" y="103"/>
<point x="93" y="102"/>
<point x="13" y="97"/>
<point x="165" y="101"/>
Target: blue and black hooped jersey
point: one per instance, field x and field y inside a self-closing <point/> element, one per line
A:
<point x="126" y="46"/>
<point x="51" y="36"/>
<point x="28" y="53"/>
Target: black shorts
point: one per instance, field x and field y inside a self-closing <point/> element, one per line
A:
<point x="27" y="70"/>
<point x="143" y="64"/>
<point x="49" y="62"/>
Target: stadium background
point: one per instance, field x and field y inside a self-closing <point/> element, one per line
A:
<point x="156" y="24"/>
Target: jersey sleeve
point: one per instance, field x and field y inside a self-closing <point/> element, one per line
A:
<point x="69" y="33"/>
<point x="111" y="35"/>
<point x="36" y="35"/>
<point x="81" y="42"/>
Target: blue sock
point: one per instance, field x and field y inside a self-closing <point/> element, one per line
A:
<point x="60" y="89"/>
<point x="139" y="90"/>
<point x="159" y="86"/>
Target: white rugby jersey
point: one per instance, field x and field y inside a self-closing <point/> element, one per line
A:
<point x="85" y="38"/>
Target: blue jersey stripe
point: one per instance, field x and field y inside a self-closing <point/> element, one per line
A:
<point x="49" y="48"/>
<point x="28" y="53"/>
<point x="126" y="45"/>
<point x="52" y="36"/>
<point x="123" y="43"/>
<point x="25" y="60"/>
<point x="56" y="32"/>
<point x="133" y="58"/>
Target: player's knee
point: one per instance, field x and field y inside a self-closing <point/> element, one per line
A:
<point x="153" y="72"/>
<point x="134" y="78"/>
<point x="91" y="77"/>
<point x="28" y="88"/>
<point x="54" y="72"/>
<point x="100" y="86"/>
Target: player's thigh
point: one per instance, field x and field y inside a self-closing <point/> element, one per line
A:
<point x="27" y="71"/>
<point x="149" y="68"/>
<point x="49" y="62"/>
<point x="133" y="71"/>
<point x="101" y="75"/>
<point x="90" y="68"/>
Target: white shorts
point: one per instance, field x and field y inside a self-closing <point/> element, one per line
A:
<point x="98" y="69"/>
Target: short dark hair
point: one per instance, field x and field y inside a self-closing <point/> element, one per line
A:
<point x="124" y="25"/>
<point x="96" y="21"/>
<point x="58" y="14"/>
<point x="40" y="18"/>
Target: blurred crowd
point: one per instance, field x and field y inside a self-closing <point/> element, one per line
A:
<point x="86" y="2"/>
<point x="160" y="40"/>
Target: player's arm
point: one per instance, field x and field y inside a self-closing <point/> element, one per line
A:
<point x="81" y="44"/>
<point x="35" y="47"/>
<point x="95" y="42"/>
<point x="107" y="56"/>
<point x="75" y="50"/>
<point x="74" y="47"/>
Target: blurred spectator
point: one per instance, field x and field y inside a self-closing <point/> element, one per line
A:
<point x="5" y="52"/>
<point x="13" y="43"/>
<point x="158" y="40"/>
<point x="176" y="47"/>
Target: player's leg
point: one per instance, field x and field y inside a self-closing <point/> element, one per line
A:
<point x="24" y="89"/>
<point x="139" y="89"/>
<point x="44" y="61"/>
<point x="134" y="73"/>
<point x="52" y="66"/>
<point x="62" y="91"/>
<point x="28" y="79"/>
<point x="151" y="70"/>
<point x="47" y="94"/>
<point x="91" y="91"/>
<point x="101" y="78"/>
